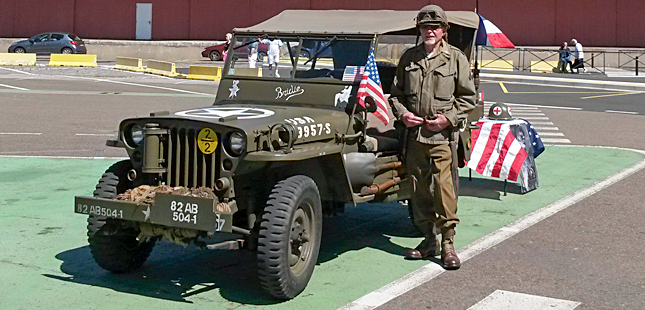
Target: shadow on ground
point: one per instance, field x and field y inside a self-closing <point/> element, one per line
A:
<point x="176" y="273"/>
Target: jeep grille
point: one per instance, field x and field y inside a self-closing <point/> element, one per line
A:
<point x="187" y="165"/>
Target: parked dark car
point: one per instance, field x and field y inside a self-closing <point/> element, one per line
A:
<point x="311" y="47"/>
<point x="50" y="43"/>
<point x="215" y="52"/>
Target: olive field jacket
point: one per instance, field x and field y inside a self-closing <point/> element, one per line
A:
<point x="440" y="84"/>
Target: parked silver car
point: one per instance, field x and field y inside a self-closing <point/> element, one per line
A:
<point x="50" y="43"/>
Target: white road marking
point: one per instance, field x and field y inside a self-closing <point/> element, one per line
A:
<point x="139" y="85"/>
<point x="60" y="157"/>
<point x="537" y="106"/>
<point x="96" y="134"/>
<point x="550" y="134"/>
<point x="13" y="87"/>
<point x="540" y="118"/>
<point x="538" y="128"/>
<point x="541" y="123"/>
<point x="17" y="71"/>
<point x="506" y="300"/>
<point x="22" y="133"/>
<point x="555" y="140"/>
<point x="517" y="113"/>
<point x="621" y="112"/>
<point x="432" y="270"/>
<point x="601" y="83"/>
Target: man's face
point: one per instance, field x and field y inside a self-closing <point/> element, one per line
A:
<point x="431" y="34"/>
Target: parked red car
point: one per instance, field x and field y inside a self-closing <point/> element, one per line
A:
<point x="215" y="52"/>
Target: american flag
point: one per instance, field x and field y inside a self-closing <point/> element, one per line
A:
<point x="353" y="73"/>
<point x="371" y="86"/>
<point x="495" y="151"/>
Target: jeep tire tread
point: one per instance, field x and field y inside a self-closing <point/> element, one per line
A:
<point x="113" y="242"/>
<point x="289" y="239"/>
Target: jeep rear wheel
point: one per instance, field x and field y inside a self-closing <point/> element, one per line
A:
<point x="114" y="243"/>
<point x="290" y="235"/>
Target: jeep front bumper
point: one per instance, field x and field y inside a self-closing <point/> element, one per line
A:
<point x="167" y="210"/>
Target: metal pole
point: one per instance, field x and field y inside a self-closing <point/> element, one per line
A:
<point x="636" y="65"/>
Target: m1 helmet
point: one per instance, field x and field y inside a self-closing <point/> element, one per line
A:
<point x="432" y="14"/>
<point x="499" y="111"/>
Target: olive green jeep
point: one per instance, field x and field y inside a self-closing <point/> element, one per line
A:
<point x="277" y="150"/>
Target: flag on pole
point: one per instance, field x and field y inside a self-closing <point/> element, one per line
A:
<point x="495" y="151"/>
<point x="371" y="86"/>
<point x="353" y="73"/>
<point x="489" y="35"/>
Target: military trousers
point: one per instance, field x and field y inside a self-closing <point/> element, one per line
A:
<point x="434" y="201"/>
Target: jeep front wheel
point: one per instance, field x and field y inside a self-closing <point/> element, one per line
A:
<point x="113" y="243"/>
<point x="289" y="238"/>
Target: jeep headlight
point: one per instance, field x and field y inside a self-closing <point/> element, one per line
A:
<point x="136" y="134"/>
<point x="236" y="143"/>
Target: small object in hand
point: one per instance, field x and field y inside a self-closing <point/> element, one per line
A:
<point x="430" y="117"/>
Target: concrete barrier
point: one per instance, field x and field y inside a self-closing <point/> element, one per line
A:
<point x="497" y="65"/>
<point x="161" y="68"/>
<point x="72" y="60"/>
<point x="248" y="71"/>
<point x="17" y="59"/>
<point x="211" y="73"/>
<point x="544" y="66"/>
<point x="129" y="64"/>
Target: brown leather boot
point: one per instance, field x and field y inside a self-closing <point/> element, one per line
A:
<point x="449" y="257"/>
<point x="429" y="247"/>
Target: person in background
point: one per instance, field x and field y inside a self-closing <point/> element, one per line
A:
<point x="565" y="58"/>
<point x="253" y="53"/>
<point x="578" y="55"/>
<point x="229" y="36"/>
<point x="273" y="54"/>
<point x="432" y="92"/>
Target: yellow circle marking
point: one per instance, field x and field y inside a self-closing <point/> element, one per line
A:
<point x="207" y="140"/>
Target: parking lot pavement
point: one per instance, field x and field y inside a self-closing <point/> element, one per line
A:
<point x="45" y="249"/>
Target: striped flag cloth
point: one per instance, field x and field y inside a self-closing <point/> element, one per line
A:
<point x="353" y="73"/>
<point x="371" y="86"/>
<point x="495" y="152"/>
<point x="489" y="35"/>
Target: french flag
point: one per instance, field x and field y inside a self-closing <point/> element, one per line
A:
<point x="489" y="35"/>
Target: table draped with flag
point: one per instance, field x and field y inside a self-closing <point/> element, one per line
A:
<point x="506" y="150"/>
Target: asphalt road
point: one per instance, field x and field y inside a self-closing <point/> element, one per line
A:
<point x="589" y="253"/>
<point x="592" y="252"/>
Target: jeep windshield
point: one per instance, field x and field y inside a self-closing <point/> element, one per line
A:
<point x="301" y="57"/>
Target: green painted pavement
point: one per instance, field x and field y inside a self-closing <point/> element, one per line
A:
<point x="45" y="261"/>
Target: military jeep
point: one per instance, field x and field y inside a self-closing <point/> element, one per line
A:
<point x="271" y="156"/>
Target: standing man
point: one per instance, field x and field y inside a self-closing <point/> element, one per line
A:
<point x="273" y="54"/>
<point x="432" y="93"/>
<point x="578" y="55"/>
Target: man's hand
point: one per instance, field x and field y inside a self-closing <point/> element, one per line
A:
<point x="411" y="120"/>
<point x="437" y="123"/>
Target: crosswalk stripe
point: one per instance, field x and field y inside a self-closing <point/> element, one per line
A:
<point x="537" y="118"/>
<point x="501" y="299"/>
<point x="555" y="140"/>
<point x="550" y="134"/>
<point x="539" y="128"/>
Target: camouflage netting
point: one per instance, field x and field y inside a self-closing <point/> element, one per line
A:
<point x="146" y="194"/>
